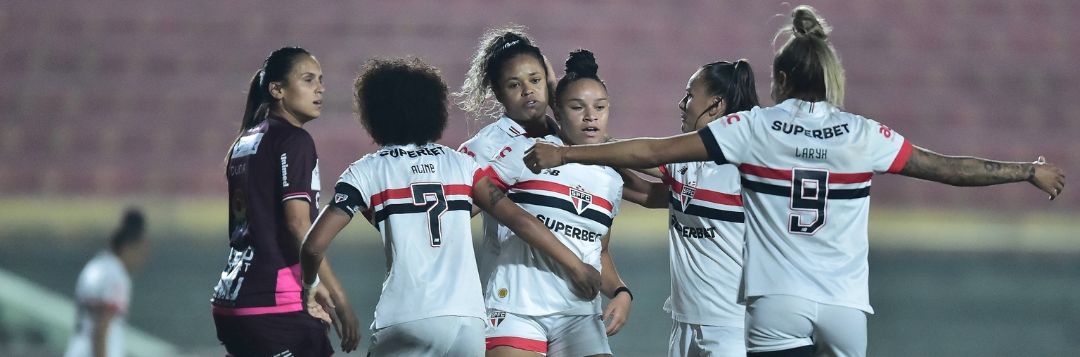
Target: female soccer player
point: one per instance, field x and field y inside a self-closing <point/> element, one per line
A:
<point x="419" y="194"/>
<point x="103" y="291"/>
<point x="706" y="222"/>
<point x="806" y="168"/>
<point x="513" y="72"/>
<point x="531" y="311"/>
<point x="273" y="177"/>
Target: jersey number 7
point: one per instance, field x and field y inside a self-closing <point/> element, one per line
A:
<point x="433" y="197"/>
<point x="809" y="190"/>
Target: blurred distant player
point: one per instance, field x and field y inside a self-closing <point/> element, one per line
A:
<point x="419" y="195"/>
<point x="103" y="292"/>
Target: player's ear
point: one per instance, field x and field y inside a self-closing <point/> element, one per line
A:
<point x="277" y="90"/>
<point x="716" y="107"/>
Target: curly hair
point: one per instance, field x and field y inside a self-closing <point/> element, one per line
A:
<point x="401" y="101"/>
<point x="497" y="45"/>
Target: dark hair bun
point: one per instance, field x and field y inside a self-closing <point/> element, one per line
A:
<point x="582" y="62"/>
<point x="805" y="23"/>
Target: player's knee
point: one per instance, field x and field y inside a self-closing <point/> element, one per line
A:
<point x="804" y="351"/>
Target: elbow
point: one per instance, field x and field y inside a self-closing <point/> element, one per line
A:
<point x="310" y="252"/>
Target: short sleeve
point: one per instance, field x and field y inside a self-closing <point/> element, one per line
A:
<point x="888" y="150"/>
<point x="726" y="138"/>
<point x="509" y="167"/>
<point x="348" y="195"/>
<point x="616" y="195"/>
<point x="298" y="166"/>
<point x="98" y="286"/>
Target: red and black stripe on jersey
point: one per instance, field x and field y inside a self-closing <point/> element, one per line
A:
<point x="703" y="195"/>
<point x="520" y="194"/>
<point x="347" y="198"/>
<point x="749" y="171"/>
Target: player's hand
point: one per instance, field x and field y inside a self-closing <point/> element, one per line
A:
<point x="616" y="313"/>
<point x="544" y="155"/>
<point x="347" y="327"/>
<point x="1048" y="177"/>
<point x="586" y="280"/>
<point x="312" y="306"/>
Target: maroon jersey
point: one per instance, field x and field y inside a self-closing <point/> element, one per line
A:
<point x="271" y="163"/>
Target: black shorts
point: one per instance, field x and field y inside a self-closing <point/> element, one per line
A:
<point x="285" y="334"/>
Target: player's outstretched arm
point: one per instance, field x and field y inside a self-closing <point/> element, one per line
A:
<point x="643" y="192"/>
<point x="618" y="309"/>
<point x="314" y="265"/>
<point x="637" y="153"/>
<point x="972" y="171"/>
<point x="490" y="198"/>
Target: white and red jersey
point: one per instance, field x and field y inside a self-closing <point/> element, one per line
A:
<point x="503" y="140"/>
<point x="577" y="203"/>
<point x="806" y="169"/>
<point x="103" y="284"/>
<point x="706" y="228"/>
<point x="419" y="197"/>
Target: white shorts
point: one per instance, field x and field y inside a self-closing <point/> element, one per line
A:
<point x="551" y="335"/>
<point x="433" y="336"/>
<point x="782" y="322"/>
<point x="689" y="340"/>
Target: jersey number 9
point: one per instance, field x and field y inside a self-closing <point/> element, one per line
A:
<point x="809" y="190"/>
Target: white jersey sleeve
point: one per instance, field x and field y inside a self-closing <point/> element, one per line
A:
<point x="887" y="150"/>
<point x="726" y="138"/>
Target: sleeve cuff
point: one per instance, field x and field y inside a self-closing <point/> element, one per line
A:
<point x="901" y="158"/>
<point x="715" y="154"/>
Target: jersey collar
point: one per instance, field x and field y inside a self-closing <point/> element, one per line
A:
<point x="510" y="127"/>
<point x="808" y="109"/>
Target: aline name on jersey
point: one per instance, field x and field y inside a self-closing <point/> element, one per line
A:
<point x="824" y="133"/>
<point x="568" y="230"/>
<point x="692" y="232"/>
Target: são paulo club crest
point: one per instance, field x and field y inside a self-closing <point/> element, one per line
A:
<point x="687" y="194"/>
<point x="580" y="198"/>
<point x="496" y="317"/>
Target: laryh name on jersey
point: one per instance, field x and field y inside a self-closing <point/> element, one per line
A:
<point x="811" y="153"/>
<point x="567" y="230"/>
<point x="692" y="232"/>
<point x="399" y="152"/>
<point x="796" y="129"/>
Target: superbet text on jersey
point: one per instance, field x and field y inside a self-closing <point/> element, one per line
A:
<point x="806" y="170"/>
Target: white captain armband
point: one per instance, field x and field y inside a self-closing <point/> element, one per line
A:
<point x="347" y="198"/>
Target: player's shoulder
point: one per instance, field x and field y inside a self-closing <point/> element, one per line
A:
<point x="746" y="117"/>
<point x="493" y="139"/>
<point x="285" y="136"/>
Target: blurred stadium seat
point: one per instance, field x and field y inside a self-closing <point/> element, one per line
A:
<point x="159" y="87"/>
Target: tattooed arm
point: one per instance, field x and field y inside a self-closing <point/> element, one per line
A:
<point x="491" y="199"/>
<point x="971" y="171"/>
